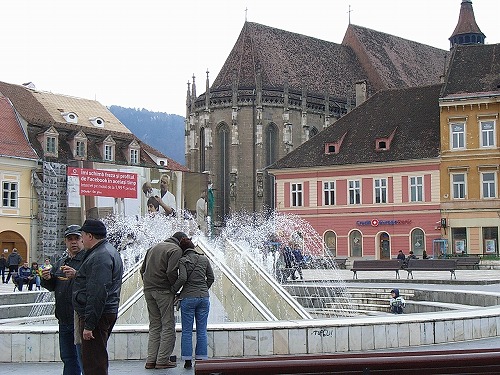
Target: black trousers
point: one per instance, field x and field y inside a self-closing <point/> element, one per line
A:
<point x="94" y="351"/>
<point x="12" y="269"/>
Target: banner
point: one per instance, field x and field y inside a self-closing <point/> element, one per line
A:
<point x="103" y="183"/>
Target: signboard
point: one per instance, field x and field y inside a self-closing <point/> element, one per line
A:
<point x="103" y="183"/>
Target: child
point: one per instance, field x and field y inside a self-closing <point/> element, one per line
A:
<point x="397" y="303"/>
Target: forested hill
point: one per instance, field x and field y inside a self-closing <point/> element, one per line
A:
<point x="160" y="130"/>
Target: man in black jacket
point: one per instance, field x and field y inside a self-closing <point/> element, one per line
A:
<point x="59" y="279"/>
<point x="96" y="296"/>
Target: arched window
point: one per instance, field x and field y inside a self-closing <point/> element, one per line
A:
<point x="356" y="243"/>
<point x="330" y="240"/>
<point x="313" y="132"/>
<point x="223" y="178"/>
<point x="417" y="241"/>
<point x="271" y="149"/>
<point x="202" y="150"/>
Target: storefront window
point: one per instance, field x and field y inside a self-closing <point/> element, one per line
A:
<point x="356" y="243"/>
<point x="459" y="240"/>
<point x="490" y="240"/>
<point x="330" y="243"/>
<point x="417" y="242"/>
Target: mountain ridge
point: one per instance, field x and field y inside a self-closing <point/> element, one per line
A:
<point x="160" y="130"/>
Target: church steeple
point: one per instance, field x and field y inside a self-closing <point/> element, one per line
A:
<point x="467" y="30"/>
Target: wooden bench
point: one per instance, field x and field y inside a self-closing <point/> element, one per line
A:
<point x="467" y="262"/>
<point x="431" y="265"/>
<point x="376" y="265"/>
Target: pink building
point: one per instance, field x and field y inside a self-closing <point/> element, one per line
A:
<point x="369" y="183"/>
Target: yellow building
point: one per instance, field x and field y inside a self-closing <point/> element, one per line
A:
<point x="17" y="163"/>
<point x="469" y="106"/>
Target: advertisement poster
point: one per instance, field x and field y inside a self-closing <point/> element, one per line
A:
<point x="102" y="183"/>
<point x="490" y="246"/>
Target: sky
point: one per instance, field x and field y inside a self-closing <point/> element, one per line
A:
<point x="142" y="53"/>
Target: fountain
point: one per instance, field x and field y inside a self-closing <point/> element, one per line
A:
<point x="251" y="312"/>
<point x="245" y="265"/>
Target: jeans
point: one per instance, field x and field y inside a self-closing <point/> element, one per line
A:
<point x="68" y="350"/>
<point x="194" y="308"/>
<point x="161" y="340"/>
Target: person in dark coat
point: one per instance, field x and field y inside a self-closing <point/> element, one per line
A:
<point x="13" y="262"/>
<point x="96" y="296"/>
<point x="59" y="279"/>
<point x="3" y="265"/>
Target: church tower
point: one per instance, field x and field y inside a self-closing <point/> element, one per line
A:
<point x="467" y="30"/>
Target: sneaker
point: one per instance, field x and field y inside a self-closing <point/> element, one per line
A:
<point x="188" y="363"/>
<point x="165" y="365"/>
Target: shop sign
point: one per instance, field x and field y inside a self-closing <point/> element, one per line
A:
<point x="376" y="222"/>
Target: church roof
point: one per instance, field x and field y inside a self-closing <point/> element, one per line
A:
<point x="393" y="62"/>
<point x="318" y="65"/>
<point x="474" y="69"/>
<point x="466" y="20"/>
<point x="408" y="118"/>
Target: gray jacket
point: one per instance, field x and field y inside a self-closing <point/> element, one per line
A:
<point x="159" y="269"/>
<point x="97" y="285"/>
<point x="195" y="275"/>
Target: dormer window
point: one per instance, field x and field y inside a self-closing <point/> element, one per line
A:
<point x="331" y="148"/>
<point x="334" y="147"/>
<point x="384" y="144"/>
<point x="50" y="145"/>
<point x="98" y="122"/>
<point x="70" y="117"/>
<point x="50" y="141"/>
<point x="134" y="152"/>
<point x="79" y="146"/>
<point x="108" y="149"/>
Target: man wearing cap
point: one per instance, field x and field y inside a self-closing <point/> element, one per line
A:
<point x="159" y="273"/>
<point x="96" y="295"/>
<point x="59" y="279"/>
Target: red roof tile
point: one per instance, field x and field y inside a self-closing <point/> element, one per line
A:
<point x="13" y="142"/>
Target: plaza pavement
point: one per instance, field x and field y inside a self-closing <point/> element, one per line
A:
<point x="479" y="280"/>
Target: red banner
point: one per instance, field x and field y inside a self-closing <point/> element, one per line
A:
<point x="102" y="183"/>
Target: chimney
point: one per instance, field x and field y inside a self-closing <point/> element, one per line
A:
<point x="360" y="92"/>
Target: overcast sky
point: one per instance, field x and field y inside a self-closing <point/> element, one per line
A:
<point x="142" y="53"/>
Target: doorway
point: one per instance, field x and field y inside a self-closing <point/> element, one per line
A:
<point x="385" y="245"/>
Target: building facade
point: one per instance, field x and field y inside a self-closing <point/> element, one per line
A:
<point x="90" y="164"/>
<point x="18" y="224"/>
<point x="470" y="157"/>
<point x="370" y="184"/>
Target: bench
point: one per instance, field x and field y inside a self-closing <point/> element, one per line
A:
<point x="431" y="265"/>
<point x="467" y="261"/>
<point x="376" y="265"/>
